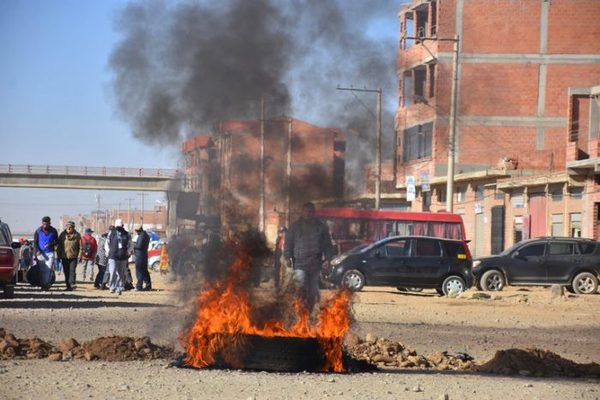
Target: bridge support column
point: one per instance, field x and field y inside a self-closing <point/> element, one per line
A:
<point x="172" y="198"/>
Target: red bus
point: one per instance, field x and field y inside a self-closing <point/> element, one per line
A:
<point x="351" y="227"/>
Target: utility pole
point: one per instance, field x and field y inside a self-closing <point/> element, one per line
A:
<point x="261" y="211"/>
<point x="452" y="117"/>
<point x="97" y="211"/>
<point x="378" y="140"/>
<point x="129" y="200"/>
<point x="142" y="195"/>
<point x="289" y="173"/>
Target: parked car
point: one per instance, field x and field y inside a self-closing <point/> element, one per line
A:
<point x="9" y="261"/>
<point x="405" y="261"/>
<point x="572" y="262"/>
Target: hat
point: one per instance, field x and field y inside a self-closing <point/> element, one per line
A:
<point x="139" y="228"/>
<point x="89" y="230"/>
<point x="46" y="219"/>
<point x="71" y="223"/>
<point x="119" y="222"/>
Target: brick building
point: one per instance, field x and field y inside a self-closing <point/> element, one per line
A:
<point x="225" y="168"/>
<point x="526" y="146"/>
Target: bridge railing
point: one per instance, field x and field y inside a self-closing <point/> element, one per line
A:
<point x="28" y="169"/>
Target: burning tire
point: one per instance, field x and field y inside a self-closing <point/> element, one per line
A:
<point x="282" y="354"/>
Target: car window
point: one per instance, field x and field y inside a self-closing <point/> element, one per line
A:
<point x="533" y="250"/>
<point x="428" y="248"/>
<point x="560" y="249"/>
<point x="397" y="248"/>
<point x="587" y="247"/>
<point x="455" y="248"/>
<point x="5" y="236"/>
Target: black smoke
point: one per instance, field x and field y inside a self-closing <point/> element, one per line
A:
<point x="181" y="67"/>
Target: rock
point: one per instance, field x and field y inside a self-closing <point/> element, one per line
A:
<point x="2" y="332"/>
<point x="3" y="345"/>
<point x="557" y="291"/>
<point x="352" y="340"/>
<point x="436" y="358"/>
<point x="480" y="296"/>
<point x="67" y="345"/>
<point x="55" y="357"/>
<point x="417" y="389"/>
<point x="444" y="397"/>
<point x="370" y="338"/>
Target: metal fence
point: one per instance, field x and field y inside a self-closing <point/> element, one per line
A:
<point x="89" y="171"/>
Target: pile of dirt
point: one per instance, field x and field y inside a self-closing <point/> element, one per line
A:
<point x="384" y="352"/>
<point x="536" y="362"/>
<point x="112" y="348"/>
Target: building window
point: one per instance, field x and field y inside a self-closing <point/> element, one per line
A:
<point x="460" y="194"/>
<point x="441" y="194"/>
<point x="431" y="80"/>
<point x="408" y="30"/>
<point x="422" y="14"/>
<point x="479" y="193"/>
<point x="407" y="86"/>
<point x="575" y="223"/>
<point x="426" y="201"/>
<point x="557" y="195"/>
<point x="417" y="142"/>
<point x="517" y="199"/>
<point x="420" y="80"/>
<point x="518" y="232"/>
<point x="576" y="193"/>
<point x="433" y="8"/>
<point x="557" y="224"/>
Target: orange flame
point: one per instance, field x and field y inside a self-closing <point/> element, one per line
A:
<point x="224" y="316"/>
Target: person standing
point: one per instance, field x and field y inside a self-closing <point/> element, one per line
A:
<point x="25" y="257"/>
<point x="45" y="240"/>
<point x="307" y="246"/>
<point x="89" y="249"/>
<point x="140" y="252"/>
<point x="101" y="261"/>
<point x="69" y="251"/>
<point x="118" y="246"/>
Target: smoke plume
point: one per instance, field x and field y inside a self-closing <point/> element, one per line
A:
<point x="179" y="68"/>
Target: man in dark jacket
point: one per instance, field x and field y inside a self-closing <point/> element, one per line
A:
<point x="45" y="240"/>
<point x="307" y="246"/>
<point x="118" y="244"/>
<point x="140" y="251"/>
<point x="69" y="250"/>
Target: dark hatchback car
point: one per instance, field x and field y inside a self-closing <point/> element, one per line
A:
<point x="405" y="261"/>
<point x="572" y="262"/>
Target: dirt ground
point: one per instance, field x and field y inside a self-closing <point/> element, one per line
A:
<point x="425" y="322"/>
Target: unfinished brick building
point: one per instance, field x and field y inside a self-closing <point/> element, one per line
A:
<point x="524" y="114"/>
<point x="226" y="169"/>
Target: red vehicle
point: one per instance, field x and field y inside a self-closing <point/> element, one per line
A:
<point x="9" y="260"/>
<point x="350" y="227"/>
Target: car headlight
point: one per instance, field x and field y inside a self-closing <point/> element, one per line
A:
<point x="338" y="260"/>
<point x="476" y="263"/>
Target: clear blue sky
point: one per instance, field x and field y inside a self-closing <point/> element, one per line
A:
<point x="55" y="104"/>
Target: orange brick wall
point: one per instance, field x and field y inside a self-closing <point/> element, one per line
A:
<point x="560" y="77"/>
<point x="497" y="32"/>
<point x="573" y="27"/>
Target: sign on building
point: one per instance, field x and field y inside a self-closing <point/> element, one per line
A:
<point x="410" y="188"/>
<point x="425" y="186"/>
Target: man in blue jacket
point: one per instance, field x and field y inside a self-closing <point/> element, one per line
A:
<point x="45" y="240"/>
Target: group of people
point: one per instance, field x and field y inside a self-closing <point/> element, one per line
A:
<point x="110" y="253"/>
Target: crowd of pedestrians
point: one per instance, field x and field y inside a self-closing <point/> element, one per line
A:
<point x="52" y="253"/>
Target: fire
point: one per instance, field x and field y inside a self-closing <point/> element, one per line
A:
<point x="224" y="316"/>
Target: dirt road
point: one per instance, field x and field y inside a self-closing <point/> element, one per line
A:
<point x="514" y="318"/>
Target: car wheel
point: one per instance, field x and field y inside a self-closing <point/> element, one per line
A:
<point x="353" y="280"/>
<point x="156" y="266"/>
<point x="492" y="280"/>
<point x="9" y="291"/>
<point x="453" y="284"/>
<point x="585" y="283"/>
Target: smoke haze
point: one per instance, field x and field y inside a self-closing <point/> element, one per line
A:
<point x="179" y="68"/>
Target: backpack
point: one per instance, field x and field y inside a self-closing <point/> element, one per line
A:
<point x="88" y="248"/>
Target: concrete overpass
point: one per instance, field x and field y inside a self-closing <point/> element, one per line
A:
<point x="170" y="181"/>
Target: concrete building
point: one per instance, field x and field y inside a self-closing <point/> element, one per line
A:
<point x="301" y="162"/>
<point x="527" y="126"/>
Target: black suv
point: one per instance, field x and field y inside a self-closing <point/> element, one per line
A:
<point x="572" y="262"/>
<point x="405" y="261"/>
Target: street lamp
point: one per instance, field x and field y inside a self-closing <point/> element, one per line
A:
<point x="378" y="141"/>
